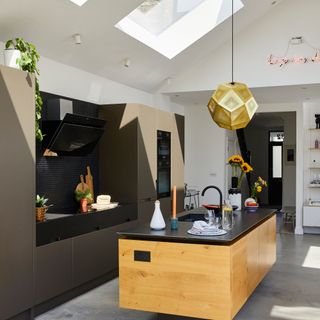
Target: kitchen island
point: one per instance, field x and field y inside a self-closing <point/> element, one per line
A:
<point x="172" y="272"/>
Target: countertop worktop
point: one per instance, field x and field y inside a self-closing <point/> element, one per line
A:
<point x="245" y="221"/>
<point x="64" y="226"/>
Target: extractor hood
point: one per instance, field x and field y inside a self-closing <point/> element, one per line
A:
<point x="67" y="133"/>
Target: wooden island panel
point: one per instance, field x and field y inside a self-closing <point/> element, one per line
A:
<point x="195" y="280"/>
<point x="182" y="279"/>
<point x="251" y="259"/>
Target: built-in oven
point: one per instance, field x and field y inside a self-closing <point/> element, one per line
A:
<point x="163" y="164"/>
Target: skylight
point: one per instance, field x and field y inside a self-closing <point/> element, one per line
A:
<point x="79" y="2"/>
<point x="171" y="26"/>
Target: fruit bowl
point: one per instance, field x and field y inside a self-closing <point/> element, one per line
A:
<point x="251" y="204"/>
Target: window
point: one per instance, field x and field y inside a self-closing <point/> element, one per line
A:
<point x="276" y="136"/>
<point x="276" y="161"/>
<point x="170" y="26"/>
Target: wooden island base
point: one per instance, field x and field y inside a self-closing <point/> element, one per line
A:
<point x="195" y="280"/>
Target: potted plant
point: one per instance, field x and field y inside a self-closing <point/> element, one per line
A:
<point x="257" y="188"/>
<point x="24" y="54"/>
<point x="83" y="197"/>
<point x="41" y="208"/>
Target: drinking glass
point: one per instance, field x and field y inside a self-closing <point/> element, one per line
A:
<point x="210" y="216"/>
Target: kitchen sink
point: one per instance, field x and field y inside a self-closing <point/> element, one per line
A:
<point x="191" y="217"/>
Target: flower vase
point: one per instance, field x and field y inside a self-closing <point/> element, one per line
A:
<point x="235" y="197"/>
<point x="157" y="221"/>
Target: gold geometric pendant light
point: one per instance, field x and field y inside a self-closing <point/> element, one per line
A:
<point x="232" y="105"/>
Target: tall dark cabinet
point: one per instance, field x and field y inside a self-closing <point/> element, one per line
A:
<point x="130" y="145"/>
<point x="17" y="162"/>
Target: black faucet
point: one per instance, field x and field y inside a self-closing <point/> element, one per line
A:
<point x="220" y="194"/>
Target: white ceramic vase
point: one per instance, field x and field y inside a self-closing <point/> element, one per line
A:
<point x="235" y="199"/>
<point x="10" y="58"/>
<point x="157" y="221"/>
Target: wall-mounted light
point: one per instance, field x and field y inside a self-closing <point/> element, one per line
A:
<point x="296" y="40"/>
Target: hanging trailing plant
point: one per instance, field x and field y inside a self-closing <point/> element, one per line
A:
<point x="29" y="62"/>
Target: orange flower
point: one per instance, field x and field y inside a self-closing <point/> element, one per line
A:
<point x="246" y="167"/>
<point x="236" y="159"/>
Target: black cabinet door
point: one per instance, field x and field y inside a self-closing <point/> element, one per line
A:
<point x="96" y="253"/>
<point x="53" y="269"/>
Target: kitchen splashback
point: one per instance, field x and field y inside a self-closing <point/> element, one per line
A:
<point x="57" y="177"/>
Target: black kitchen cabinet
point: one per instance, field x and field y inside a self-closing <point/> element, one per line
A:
<point x="17" y="145"/>
<point x="96" y="254"/>
<point x="53" y="270"/>
<point x="146" y="209"/>
<point x="130" y="145"/>
<point x="93" y="255"/>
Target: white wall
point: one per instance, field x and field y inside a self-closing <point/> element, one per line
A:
<point x="204" y="152"/>
<point x="268" y="35"/>
<point x="71" y="82"/>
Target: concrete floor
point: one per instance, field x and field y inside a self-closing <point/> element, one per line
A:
<point x="290" y="291"/>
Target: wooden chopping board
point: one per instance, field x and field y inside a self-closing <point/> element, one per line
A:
<point x="89" y="181"/>
<point x="82" y="186"/>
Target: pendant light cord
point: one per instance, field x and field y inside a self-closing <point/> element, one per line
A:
<point x="232" y="82"/>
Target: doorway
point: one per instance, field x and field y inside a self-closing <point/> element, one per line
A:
<point x="268" y="137"/>
<point x="275" y="168"/>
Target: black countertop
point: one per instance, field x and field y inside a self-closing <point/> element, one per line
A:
<point x="62" y="226"/>
<point x="245" y="221"/>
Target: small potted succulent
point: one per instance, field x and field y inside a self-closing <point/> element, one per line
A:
<point x="83" y="197"/>
<point x="41" y="208"/>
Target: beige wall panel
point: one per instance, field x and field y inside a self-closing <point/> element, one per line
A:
<point x="177" y="172"/>
<point x="147" y="154"/>
<point x="164" y="120"/>
<point x="17" y="162"/>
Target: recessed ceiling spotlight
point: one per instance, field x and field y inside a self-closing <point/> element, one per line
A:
<point x="168" y="81"/>
<point x="79" y="2"/>
<point x="127" y="62"/>
<point x="77" y="38"/>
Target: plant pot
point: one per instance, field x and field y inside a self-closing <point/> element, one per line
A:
<point x="84" y="205"/>
<point x="41" y="213"/>
<point x="10" y="58"/>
